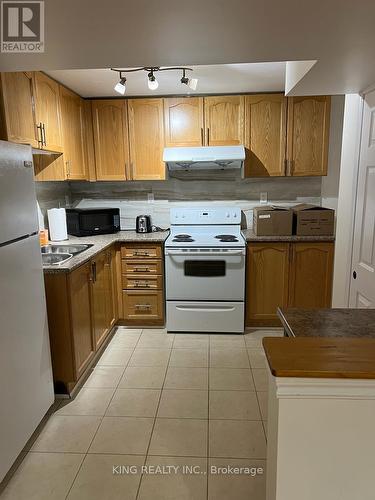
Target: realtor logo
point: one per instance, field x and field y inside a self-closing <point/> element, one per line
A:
<point x="22" y="26"/>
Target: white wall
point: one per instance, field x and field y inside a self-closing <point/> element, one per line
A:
<point x="330" y="183"/>
<point x="346" y="199"/>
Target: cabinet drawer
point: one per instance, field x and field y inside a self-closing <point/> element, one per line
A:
<point x="141" y="251"/>
<point x="143" y="282"/>
<point x="142" y="305"/>
<point x="141" y="267"/>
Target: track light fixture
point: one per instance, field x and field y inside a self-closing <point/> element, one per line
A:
<point x="152" y="82"/>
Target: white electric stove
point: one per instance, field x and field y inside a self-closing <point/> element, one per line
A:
<point x="205" y="256"/>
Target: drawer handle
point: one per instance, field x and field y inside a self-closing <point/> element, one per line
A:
<point x="143" y="284"/>
<point x="142" y="269"/>
<point x="142" y="306"/>
<point x="141" y="254"/>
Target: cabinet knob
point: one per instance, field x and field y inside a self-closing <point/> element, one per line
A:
<point x="354" y="275"/>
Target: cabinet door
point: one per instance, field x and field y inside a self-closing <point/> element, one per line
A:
<point x="183" y="118"/>
<point x="110" y="139"/>
<point x="80" y="307"/>
<point x="224" y="120"/>
<point x="308" y="135"/>
<point x="48" y="113"/>
<point x="311" y="270"/>
<point x="267" y="282"/>
<point x="146" y="133"/>
<point x="99" y="297"/>
<point x="111" y="288"/>
<point x="265" y="135"/>
<point x="18" y="108"/>
<point x="72" y="114"/>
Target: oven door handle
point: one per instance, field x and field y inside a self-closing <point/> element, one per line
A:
<point x="197" y="254"/>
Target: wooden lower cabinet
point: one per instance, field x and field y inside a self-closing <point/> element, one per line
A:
<point x="82" y="309"/>
<point x="287" y="275"/>
<point x="311" y="271"/>
<point x="142" y="284"/>
<point x="267" y="281"/>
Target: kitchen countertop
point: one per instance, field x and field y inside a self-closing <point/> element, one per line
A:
<point x="330" y="323"/>
<point x="347" y="358"/>
<point x="101" y="242"/>
<point x="249" y="235"/>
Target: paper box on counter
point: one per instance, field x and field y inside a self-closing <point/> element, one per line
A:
<point x="312" y="220"/>
<point x="271" y="220"/>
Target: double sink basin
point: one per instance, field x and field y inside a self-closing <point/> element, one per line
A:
<point x="58" y="254"/>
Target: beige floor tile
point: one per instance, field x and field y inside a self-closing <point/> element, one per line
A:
<point x="264" y="422"/>
<point x="179" y="485"/>
<point x="124" y="341"/>
<point x="228" y="358"/>
<point x="104" y="377"/>
<point x="186" y="341"/>
<point x="155" y="341"/>
<point x="143" y="377"/>
<point x="68" y="434"/>
<point x="43" y="476"/>
<point x="237" y="439"/>
<point x="97" y="481"/>
<point x="150" y="357"/>
<point x="123" y="435"/>
<point x="194" y="358"/>
<point x="186" y="378"/>
<point x="115" y="357"/>
<point x="236" y="486"/>
<point x="260" y="379"/>
<point x="87" y="402"/>
<point x="231" y="379"/>
<point x="179" y="437"/>
<point x="263" y="403"/>
<point x="257" y="358"/>
<point x="128" y="331"/>
<point x="150" y="331"/>
<point x="184" y="403"/>
<point x="236" y="405"/>
<point x="134" y="403"/>
<point x="219" y="341"/>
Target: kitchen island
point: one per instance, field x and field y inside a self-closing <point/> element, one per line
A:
<point x="321" y="411"/>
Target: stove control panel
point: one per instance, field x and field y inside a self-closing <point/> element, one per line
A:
<point x="199" y="216"/>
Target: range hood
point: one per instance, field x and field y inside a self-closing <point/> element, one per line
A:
<point x="209" y="161"/>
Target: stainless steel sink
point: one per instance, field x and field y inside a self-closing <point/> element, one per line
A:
<point x="55" y="258"/>
<point x="65" y="249"/>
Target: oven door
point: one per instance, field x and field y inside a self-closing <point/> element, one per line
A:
<point x="205" y="274"/>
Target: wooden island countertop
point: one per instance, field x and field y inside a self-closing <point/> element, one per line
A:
<point x="347" y="358"/>
<point x="328" y="323"/>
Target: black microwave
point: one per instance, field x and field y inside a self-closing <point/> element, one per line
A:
<point x="91" y="221"/>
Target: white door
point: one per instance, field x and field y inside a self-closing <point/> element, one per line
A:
<point x="362" y="288"/>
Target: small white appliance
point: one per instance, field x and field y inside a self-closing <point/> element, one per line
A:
<point x="210" y="159"/>
<point x="205" y="257"/>
<point x="26" y="389"/>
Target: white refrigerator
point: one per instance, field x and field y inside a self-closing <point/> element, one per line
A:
<point x="26" y="386"/>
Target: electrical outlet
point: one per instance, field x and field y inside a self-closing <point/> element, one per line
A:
<point x="263" y="198"/>
<point x="150" y="197"/>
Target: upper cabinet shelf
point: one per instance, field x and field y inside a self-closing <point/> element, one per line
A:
<point x="123" y="139"/>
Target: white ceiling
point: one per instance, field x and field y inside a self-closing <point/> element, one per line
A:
<point x="214" y="79"/>
<point x="339" y="34"/>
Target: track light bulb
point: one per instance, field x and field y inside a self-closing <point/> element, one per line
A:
<point x="120" y="87"/>
<point x="152" y="82"/>
<point x="193" y="82"/>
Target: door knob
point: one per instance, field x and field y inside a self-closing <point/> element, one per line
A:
<point x="354" y="275"/>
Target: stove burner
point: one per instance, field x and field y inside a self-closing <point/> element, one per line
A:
<point x="227" y="238"/>
<point x="184" y="238"/>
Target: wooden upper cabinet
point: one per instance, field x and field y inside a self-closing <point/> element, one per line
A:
<point x="308" y="135"/>
<point x="224" y="120"/>
<point x="183" y="119"/>
<point x="146" y="134"/>
<point x="110" y="139"/>
<point x="310" y="284"/>
<point x="265" y="135"/>
<point x="17" y="108"/>
<point x="72" y="113"/>
<point x="266" y="282"/>
<point x="48" y="112"/>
